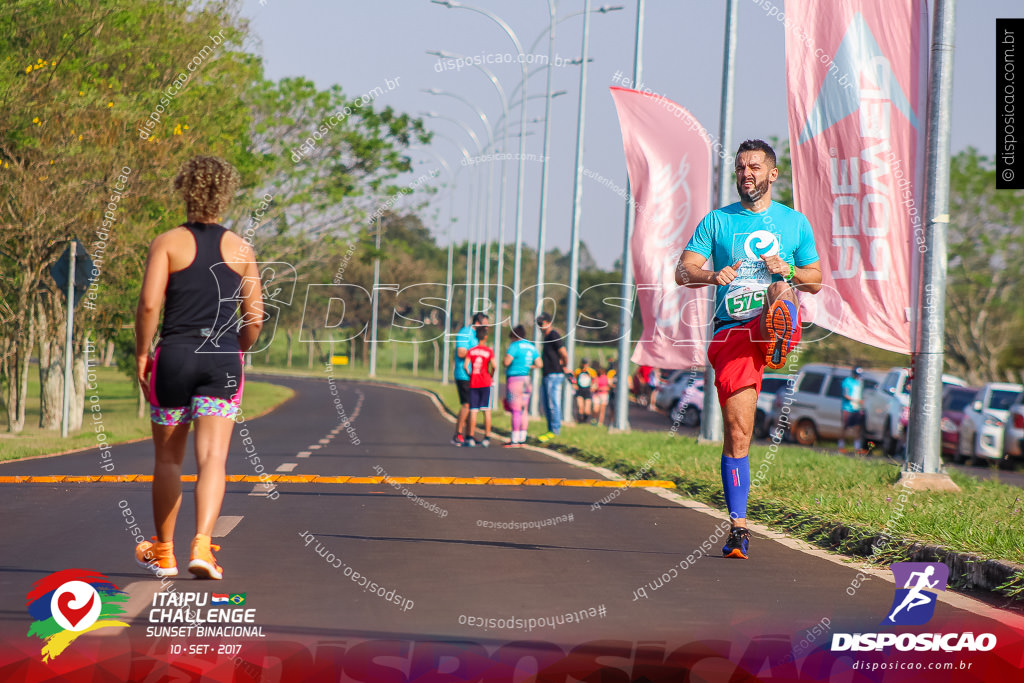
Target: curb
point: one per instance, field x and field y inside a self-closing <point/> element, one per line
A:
<point x="966" y="571"/>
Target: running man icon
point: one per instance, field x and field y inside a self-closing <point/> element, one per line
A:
<point x="916" y="597"/>
<point x="917" y="586"/>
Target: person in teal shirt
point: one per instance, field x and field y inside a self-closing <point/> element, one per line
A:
<point x="465" y="339"/>
<point x="761" y="252"/>
<point x="852" y="409"/>
<point x="521" y="357"/>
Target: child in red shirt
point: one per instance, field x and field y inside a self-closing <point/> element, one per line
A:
<point x="480" y="365"/>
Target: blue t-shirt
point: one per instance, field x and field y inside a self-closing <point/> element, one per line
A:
<point x="464" y="339"/>
<point x="523" y="354"/>
<point x="734" y="234"/>
<point x="853" y="388"/>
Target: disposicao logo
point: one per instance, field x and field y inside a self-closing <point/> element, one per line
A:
<point x="913" y="605"/>
<point x="71" y="602"/>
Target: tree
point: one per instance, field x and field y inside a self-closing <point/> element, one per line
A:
<point x="986" y="269"/>
<point x="70" y="125"/>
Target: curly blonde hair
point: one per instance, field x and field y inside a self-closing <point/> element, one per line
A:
<point x="207" y="184"/>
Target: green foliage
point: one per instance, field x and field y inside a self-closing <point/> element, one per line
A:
<point x="985" y="272"/>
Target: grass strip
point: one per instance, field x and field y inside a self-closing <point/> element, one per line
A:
<point x="119" y="423"/>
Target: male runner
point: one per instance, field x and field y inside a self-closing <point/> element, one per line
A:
<point x="554" y="364"/>
<point x="760" y="251"/>
<point x="465" y="339"/>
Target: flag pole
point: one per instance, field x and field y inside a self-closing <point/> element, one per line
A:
<point x="924" y="465"/>
<point x="65" y="419"/>
<point x="376" y="299"/>
<point x="621" y="422"/>
<point x="711" y="416"/>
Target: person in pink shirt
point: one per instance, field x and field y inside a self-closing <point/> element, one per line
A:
<point x="600" y="399"/>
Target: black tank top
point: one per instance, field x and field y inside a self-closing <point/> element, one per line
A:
<point x="202" y="299"/>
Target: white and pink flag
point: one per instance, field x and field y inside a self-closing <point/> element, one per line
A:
<point x="856" y="73"/>
<point x="668" y="156"/>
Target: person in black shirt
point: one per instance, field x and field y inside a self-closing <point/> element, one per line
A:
<point x="554" y="359"/>
<point x="195" y="373"/>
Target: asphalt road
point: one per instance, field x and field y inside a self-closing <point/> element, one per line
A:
<point x="460" y="580"/>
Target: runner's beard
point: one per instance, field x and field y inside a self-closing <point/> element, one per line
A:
<point x="759" y="190"/>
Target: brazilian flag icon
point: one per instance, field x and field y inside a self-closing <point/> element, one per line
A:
<point x="237" y="598"/>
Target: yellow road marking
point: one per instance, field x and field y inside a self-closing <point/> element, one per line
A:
<point x="317" y="479"/>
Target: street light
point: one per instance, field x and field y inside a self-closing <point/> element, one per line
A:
<point x="519" y="188"/>
<point x="604" y="9"/>
<point x="451" y="247"/>
<point x="478" y="110"/>
<point x="504" y="167"/>
<point x="469" y="213"/>
<point x="479" y="150"/>
<point x="490" y="183"/>
<point x="577" y="206"/>
<point x="469" y="131"/>
<point x="543" y="222"/>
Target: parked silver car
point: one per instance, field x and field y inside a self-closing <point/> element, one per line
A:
<point x="815" y="405"/>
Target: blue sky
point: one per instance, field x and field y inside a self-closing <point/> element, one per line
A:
<point x="370" y="43"/>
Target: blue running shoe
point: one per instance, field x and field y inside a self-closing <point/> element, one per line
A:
<point x="737" y="543"/>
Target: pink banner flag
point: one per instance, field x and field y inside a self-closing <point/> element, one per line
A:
<point x="857" y="78"/>
<point x="668" y="156"/>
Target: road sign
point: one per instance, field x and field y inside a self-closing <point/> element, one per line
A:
<point x="83" y="270"/>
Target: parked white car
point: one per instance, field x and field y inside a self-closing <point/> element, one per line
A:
<point x="983" y="426"/>
<point x="682" y="396"/>
<point x="1013" y="434"/>
<point x="886" y="406"/>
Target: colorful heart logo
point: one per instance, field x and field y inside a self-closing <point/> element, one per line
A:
<point x="72" y="614"/>
<point x="75" y="605"/>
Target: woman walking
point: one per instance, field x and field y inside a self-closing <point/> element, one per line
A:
<point x="202" y="276"/>
<point x="521" y="357"/>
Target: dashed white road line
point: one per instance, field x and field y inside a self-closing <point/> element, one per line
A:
<point x="302" y="454"/>
<point x="287" y="467"/>
<point x="225" y="524"/>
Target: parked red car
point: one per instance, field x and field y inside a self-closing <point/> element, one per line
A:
<point x="954" y="400"/>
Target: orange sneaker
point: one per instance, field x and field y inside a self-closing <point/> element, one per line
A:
<point x="203" y="564"/>
<point x="157" y="558"/>
<point x="780" y="332"/>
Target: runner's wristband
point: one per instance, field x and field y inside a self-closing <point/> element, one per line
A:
<point x="792" y="272"/>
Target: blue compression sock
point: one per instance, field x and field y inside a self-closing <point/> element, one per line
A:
<point x="736" y="484"/>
